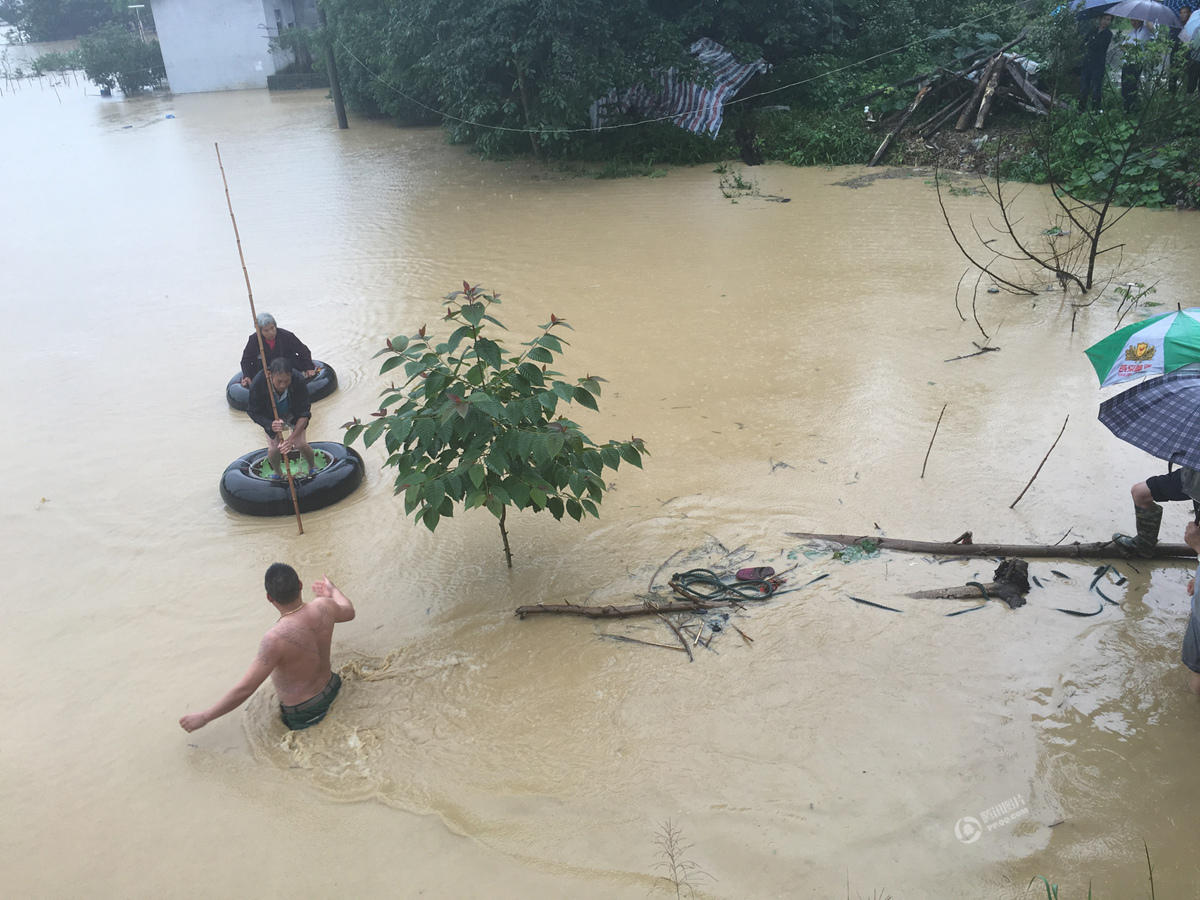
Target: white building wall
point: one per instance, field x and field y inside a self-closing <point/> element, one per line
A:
<point x="215" y="45"/>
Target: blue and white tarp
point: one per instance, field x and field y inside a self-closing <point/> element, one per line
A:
<point x="694" y="107"/>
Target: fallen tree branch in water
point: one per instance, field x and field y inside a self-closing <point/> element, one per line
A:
<point x="609" y="611"/>
<point x="1042" y="463"/>
<point x="679" y="634"/>
<point x="1011" y="584"/>
<point x="935" y="431"/>
<point x="979" y="352"/>
<point x="633" y="640"/>
<point x="1074" y="550"/>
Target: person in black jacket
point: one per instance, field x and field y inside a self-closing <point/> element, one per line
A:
<point x="295" y="410"/>
<point x="1095" y="53"/>
<point x="279" y="343"/>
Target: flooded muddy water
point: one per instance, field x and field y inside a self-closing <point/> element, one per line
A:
<point x="785" y="363"/>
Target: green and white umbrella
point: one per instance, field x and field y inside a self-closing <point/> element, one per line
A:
<point x="1152" y="347"/>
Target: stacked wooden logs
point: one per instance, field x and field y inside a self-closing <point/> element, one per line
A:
<point x="968" y="93"/>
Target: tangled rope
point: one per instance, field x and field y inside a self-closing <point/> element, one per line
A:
<point x="692" y="585"/>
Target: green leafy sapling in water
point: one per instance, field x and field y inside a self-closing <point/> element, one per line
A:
<point x="475" y="424"/>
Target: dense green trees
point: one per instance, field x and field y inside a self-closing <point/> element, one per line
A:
<point x="538" y="64"/>
<point x="54" y="20"/>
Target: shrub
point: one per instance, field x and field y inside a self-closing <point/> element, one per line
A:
<point x="475" y="425"/>
<point x="113" y="56"/>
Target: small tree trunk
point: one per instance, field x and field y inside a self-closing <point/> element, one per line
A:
<point x="533" y="141"/>
<point x="504" y="535"/>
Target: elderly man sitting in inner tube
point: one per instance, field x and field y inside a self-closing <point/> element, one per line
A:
<point x="292" y="404"/>
<point x="279" y="344"/>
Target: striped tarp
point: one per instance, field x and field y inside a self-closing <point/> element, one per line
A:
<point x="695" y="107"/>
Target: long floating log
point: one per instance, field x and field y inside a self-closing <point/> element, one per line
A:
<point x="963" y="592"/>
<point x="609" y="611"/>
<point x="1074" y="550"/>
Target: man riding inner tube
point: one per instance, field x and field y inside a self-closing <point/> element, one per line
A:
<point x="279" y="344"/>
<point x="293" y="405"/>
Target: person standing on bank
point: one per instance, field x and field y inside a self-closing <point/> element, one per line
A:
<point x="1095" y="63"/>
<point x="1191" y="63"/>
<point x="279" y="343"/>
<point x="1177" y="46"/>
<point x="1181" y="484"/>
<point x="293" y="406"/>
<point x="1131" y="69"/>
<point x="1191" y="637"/>
<point x="294" y="652"/>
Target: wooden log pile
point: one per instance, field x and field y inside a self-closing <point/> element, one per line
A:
<point x="966" y="95"/>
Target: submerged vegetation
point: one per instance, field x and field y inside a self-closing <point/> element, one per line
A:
<point x="113" y="56"/>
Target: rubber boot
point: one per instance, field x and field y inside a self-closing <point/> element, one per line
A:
<point x="1148" y="519"/>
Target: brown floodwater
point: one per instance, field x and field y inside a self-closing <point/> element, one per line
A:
<point x="785" y="363"/>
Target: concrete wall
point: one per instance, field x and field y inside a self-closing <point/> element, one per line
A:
<point x="284" y="15"/>
<point x="216" y="45"/>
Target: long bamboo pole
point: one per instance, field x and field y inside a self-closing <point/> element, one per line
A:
<point x="262" y="350"/>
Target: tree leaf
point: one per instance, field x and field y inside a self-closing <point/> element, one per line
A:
<point x="373" y="431"/>
<point x="629" y="454"/>
<point x="583" y="398"/>
<point x="555" y="505"/>
<point x="524" y="444"/>
<point x="591" y="385"/>
<point x="477" y="474"/>
<point x="539" y="446"/>
<point x="433" y="492"/>
<point x="486" y="403"/>
<point x="574" y="509"/>
<point x="473" y="313"/>
<point x="518" y="491"/>
<point x="488" y="351"/>
<point x="463" y="331"/>
<point x="389" y="364"/>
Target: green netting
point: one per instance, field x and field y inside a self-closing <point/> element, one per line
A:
<point x="298" y="466"/>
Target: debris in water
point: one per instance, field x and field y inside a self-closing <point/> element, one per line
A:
<point x="876" y="605"/>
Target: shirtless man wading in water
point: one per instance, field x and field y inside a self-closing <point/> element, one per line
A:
<point x="294" y="652"/>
